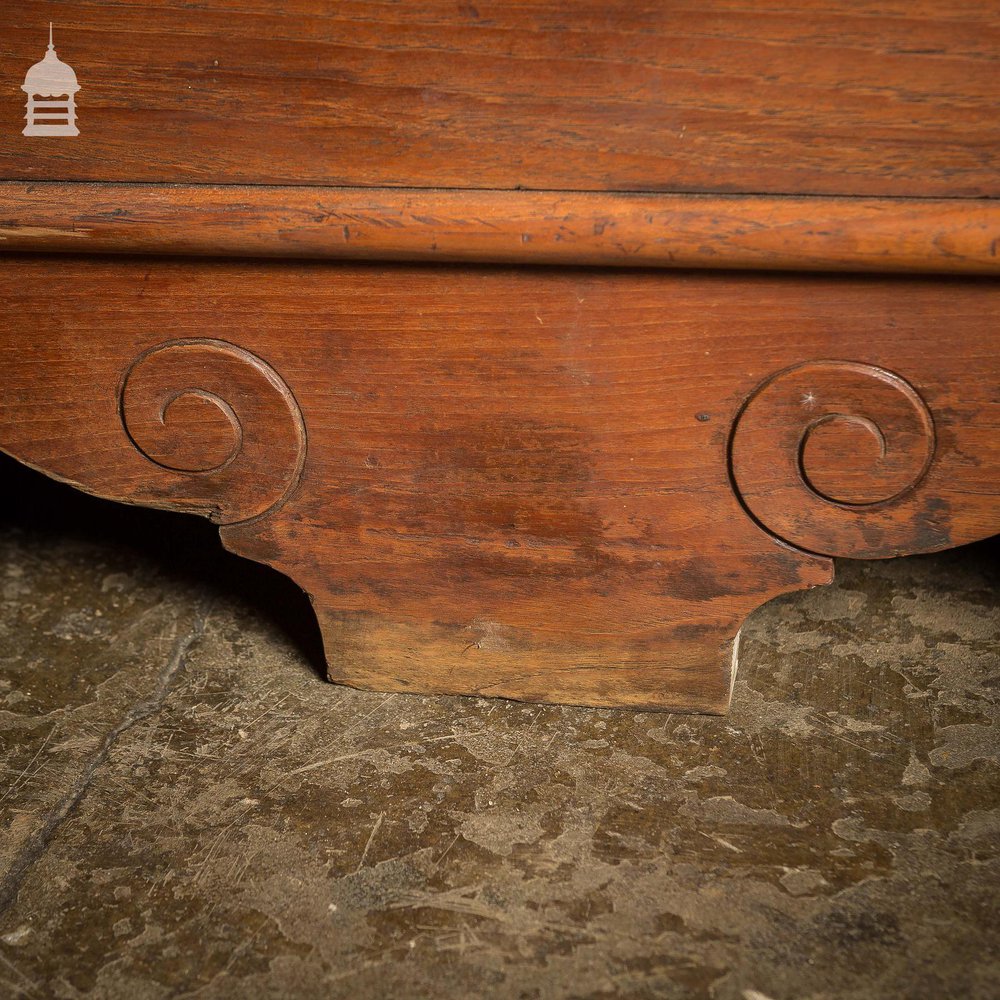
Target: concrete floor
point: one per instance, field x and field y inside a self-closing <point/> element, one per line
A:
<point x="186" y="809"/>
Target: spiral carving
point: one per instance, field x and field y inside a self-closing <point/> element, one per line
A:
<point x="222" y="427"/>
<point x="828" y="455"/>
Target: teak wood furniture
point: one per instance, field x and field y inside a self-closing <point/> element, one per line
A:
<point x="540" y="342"/>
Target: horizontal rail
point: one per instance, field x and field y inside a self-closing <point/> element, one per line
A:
<point x="958" y="236"/>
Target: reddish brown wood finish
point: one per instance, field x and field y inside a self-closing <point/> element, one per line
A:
<point x="560" y="485"/>
<point x="867" y="98"/>
<point x="823" y="234"/>
<point x="544" y="484"/>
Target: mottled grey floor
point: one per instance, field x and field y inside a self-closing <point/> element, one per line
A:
<point x="186" y="809"/>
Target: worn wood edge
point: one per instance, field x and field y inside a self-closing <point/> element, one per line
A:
<point x="709" y="693"/>
<point x="887" y="235"/>
<point x="373" y="652"/>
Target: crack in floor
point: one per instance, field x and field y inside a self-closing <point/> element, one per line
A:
<point x="38" y="842"/>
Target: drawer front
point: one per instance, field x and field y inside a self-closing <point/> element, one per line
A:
<point x="869" y="98"/>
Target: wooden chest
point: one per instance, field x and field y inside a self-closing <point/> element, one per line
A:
<point x="539" y="342"/>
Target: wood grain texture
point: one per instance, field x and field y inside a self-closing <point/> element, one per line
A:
<point x="734" y="232"/>
<point x="518" y="482"/>
<point x="871" y="98"/>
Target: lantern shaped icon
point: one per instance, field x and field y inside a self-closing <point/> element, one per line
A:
<point x="51" y="78"/>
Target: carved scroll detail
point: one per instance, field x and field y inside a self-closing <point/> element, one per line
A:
<point x="220" y="424"/>
<point x="829" y="456"/>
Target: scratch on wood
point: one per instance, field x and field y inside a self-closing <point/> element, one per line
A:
<point x="43" y="232"/>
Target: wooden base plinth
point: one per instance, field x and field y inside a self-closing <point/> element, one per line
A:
<point x="553" y="485"/>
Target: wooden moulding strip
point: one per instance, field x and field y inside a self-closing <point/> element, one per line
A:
<point x="944" y="236"/>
